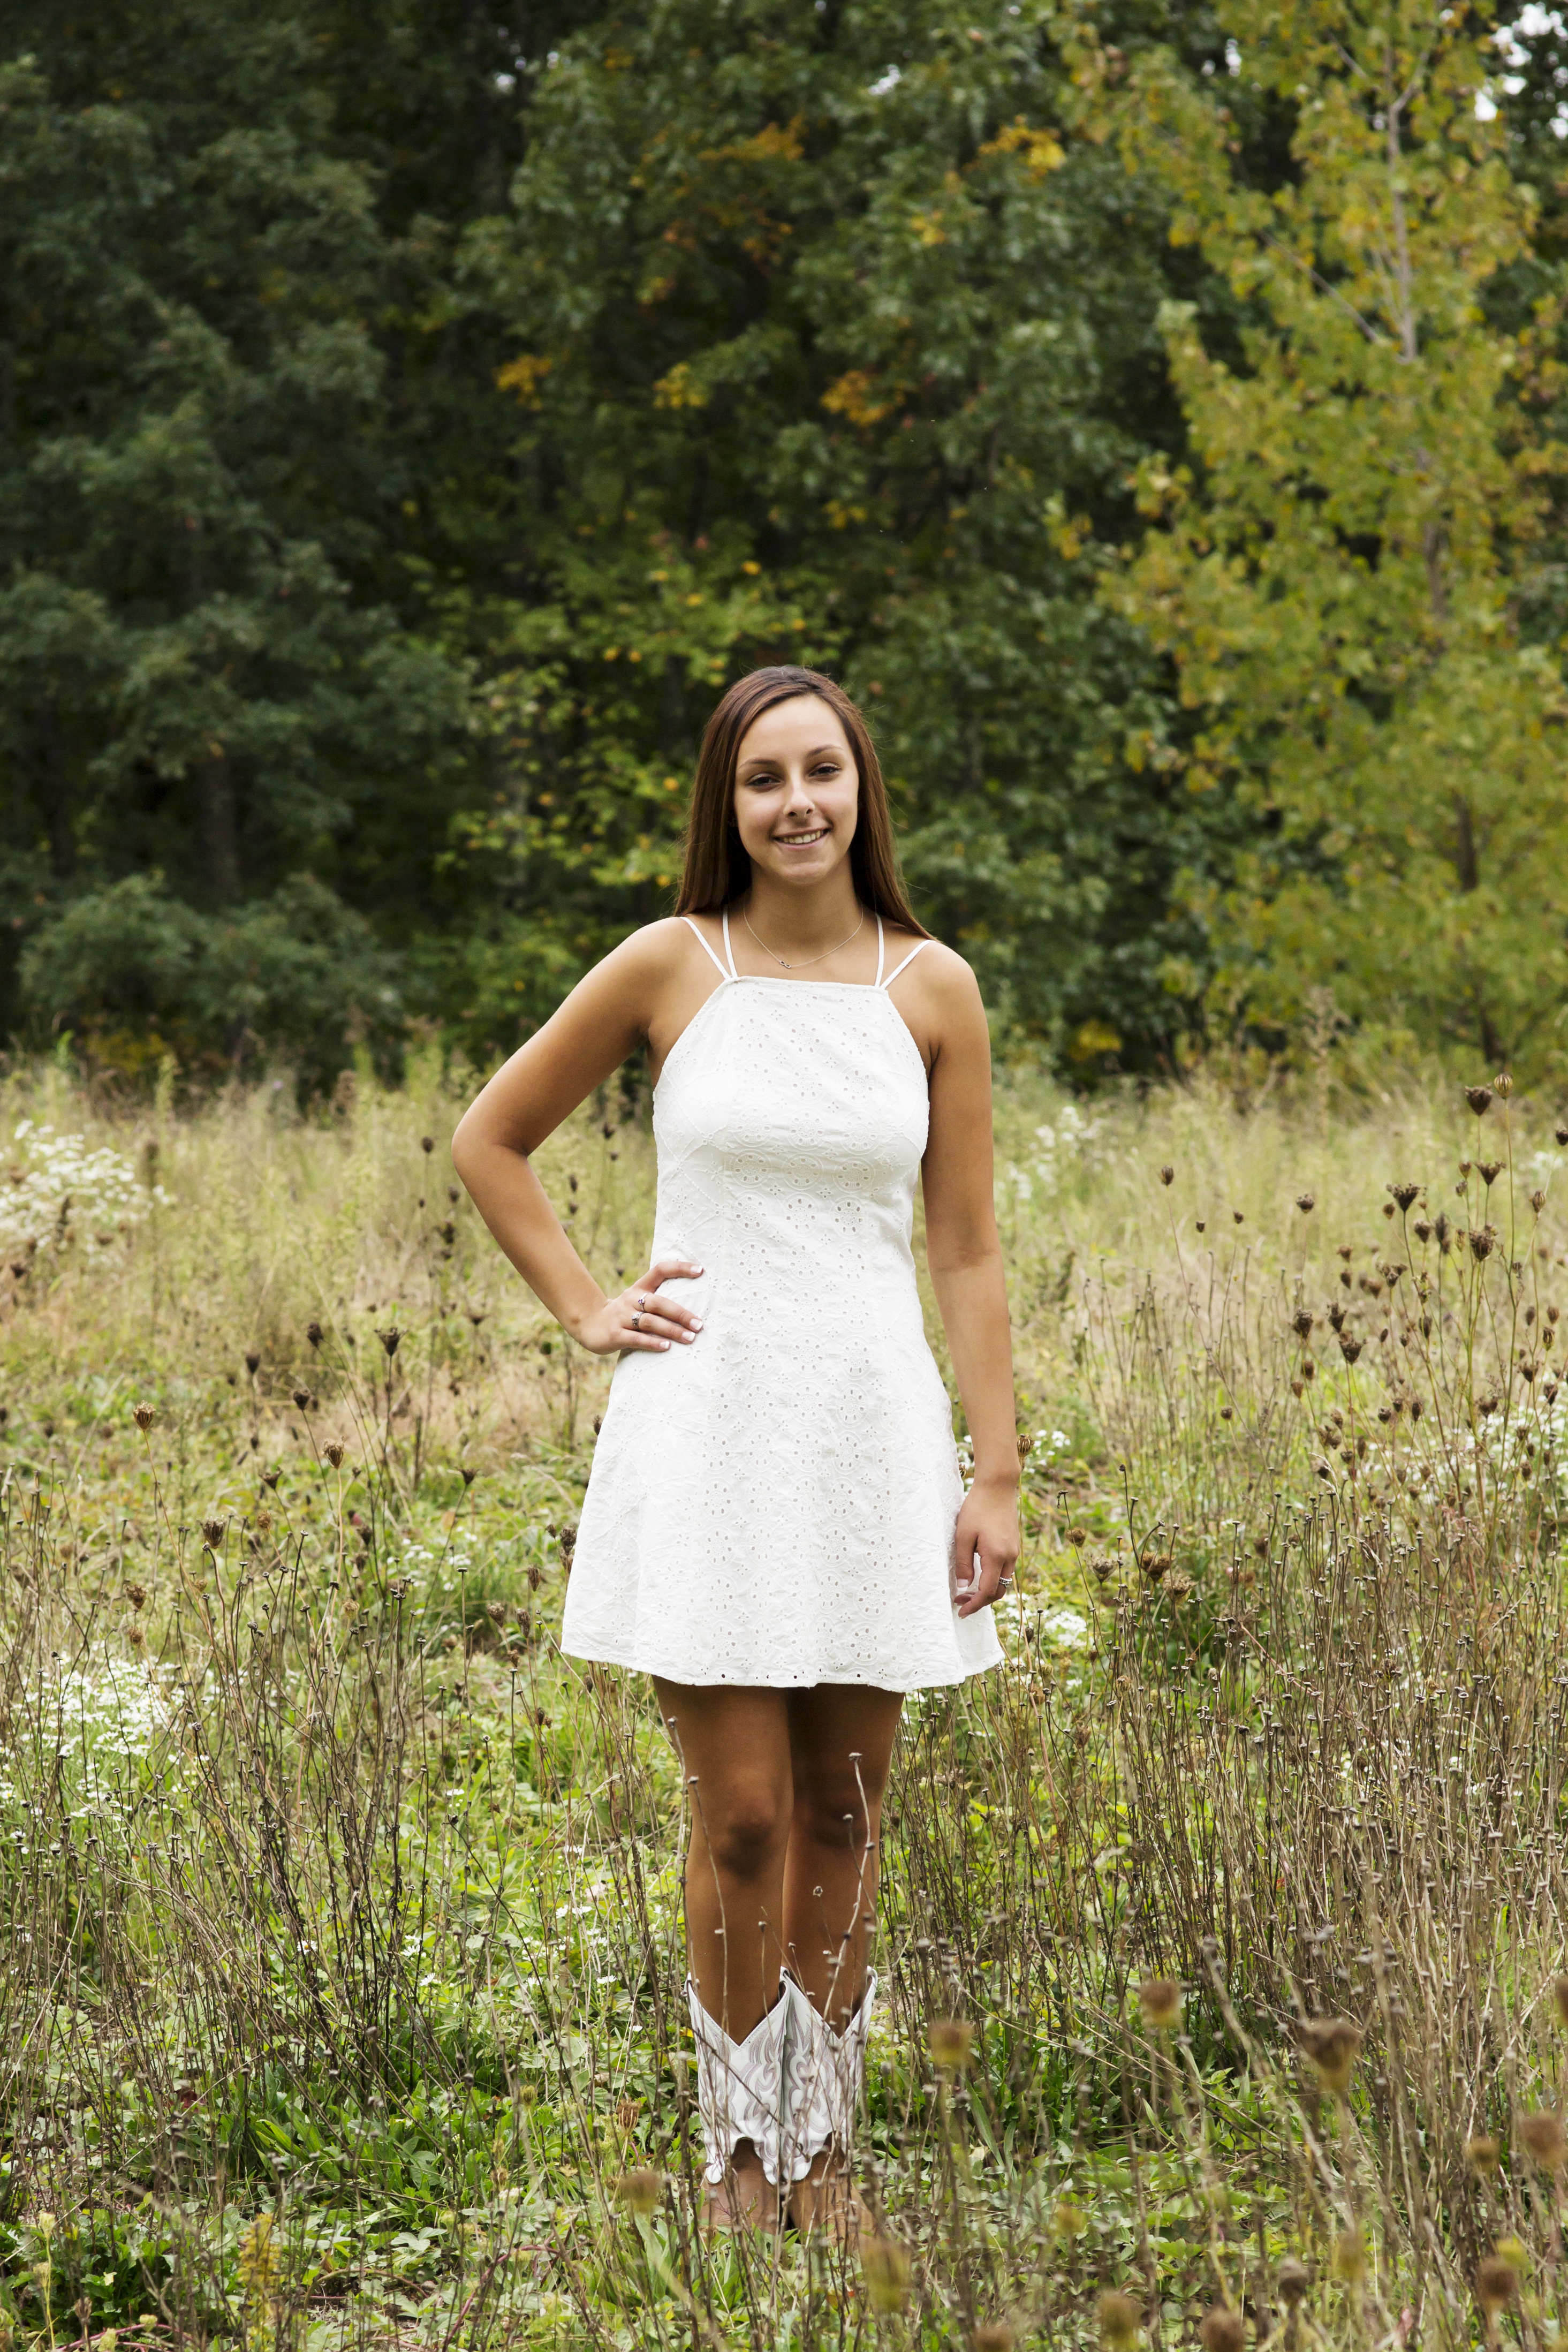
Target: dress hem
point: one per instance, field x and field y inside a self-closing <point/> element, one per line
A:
<point x="857" y="1680"/>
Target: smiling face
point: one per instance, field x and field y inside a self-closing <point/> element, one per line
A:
<point x="797" y="792"/>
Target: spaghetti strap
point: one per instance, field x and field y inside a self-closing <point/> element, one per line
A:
<point x="728" y="950"/>
<point x="886" y="984"/>
<point x="881" y="948"/>
<point x="709" y="952"/>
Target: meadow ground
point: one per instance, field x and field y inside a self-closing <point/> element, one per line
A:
<point x="1221" y="1930"/>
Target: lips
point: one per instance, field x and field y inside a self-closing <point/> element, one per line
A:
<point x="801" y="840"/>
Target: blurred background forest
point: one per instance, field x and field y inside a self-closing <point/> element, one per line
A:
<point x="411" y="414"/>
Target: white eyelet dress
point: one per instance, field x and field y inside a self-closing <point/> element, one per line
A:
<point x="774" y="1504"/>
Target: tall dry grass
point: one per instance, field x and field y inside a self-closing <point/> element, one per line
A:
<point x="1222" y="1928"/>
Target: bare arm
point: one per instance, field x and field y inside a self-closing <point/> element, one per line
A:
<point x="631" y="996"/>
<point x="965" y="1257"/>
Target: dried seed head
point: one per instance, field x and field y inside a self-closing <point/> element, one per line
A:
<point x="1495" y="2283"/>
<point x="143" y="1415"/>
<point x="1078" y="1537"/>
<point x="252" y="1361"/>
<point x="1118" y="2317"/>
<point x="1538" y="1200"/>
<point x="1100" y="1564"/>
<point x="886" y="2267"/>
<point x="1222" y="2330"/>
<point x="1167" y="1175"/>
<point x="1503" y="1085"/>
<point x="427" y="1144"/>
<point x="389" y="1339"/>
<point x="1543" y="2139"/>
<point x="302" y="1399"/>
<point x="1237" y="1218"/>
<point x="1422" y="1230"/>
<point x="1348" y="1348"/>
<point x="1406" y="1195"/>
<point x="1562" y="1134"/>
<point x="1302" y="1322"/>
<point x="212" y="1532"/>
<point x="313" y="1333"/>
<point x="1479" y="1100"/>
<point x="994" y="2335"/>
<point x="1306" y="1203"/>
<point x="1293" y="2280"/>
<point x="1481" y="1243"/>
<point x="468" y="1475"/>
<point x="640" y="2189"/>
<point x="137" y="1595"/>
<point x="1483" y="2155"/>
<point x="1332" y="2044"/>
<point x="1491" y="1170"/>
<point x="334" y="1453"/>
<point x="951" y="2041"/>
<point x="135" y="1636"/>
<point x="1347" y="2257"/>
<point x="496" y="1611"/>
<point x="1159" y="1998"/>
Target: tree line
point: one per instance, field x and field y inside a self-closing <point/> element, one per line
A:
<point x="411" y="415"/>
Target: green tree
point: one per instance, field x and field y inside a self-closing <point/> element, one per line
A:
<point x="200" y="669"/>
<point x="828" y="343"/>
<point x="1344" y="575"/>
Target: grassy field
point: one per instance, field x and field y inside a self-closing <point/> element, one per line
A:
<point x="1222" y="1929"/>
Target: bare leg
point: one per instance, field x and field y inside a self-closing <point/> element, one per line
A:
<point x="841" y="1740"/>
<point x="841" y="1745"/>
<point x="735" y="1749"/>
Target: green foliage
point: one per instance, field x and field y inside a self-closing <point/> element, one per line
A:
<point x="389" y="497"/>
<point x="139" y="974"/>
<point x="1342" y="574"/>
<point x="201" y="670"/>
<point x="827" y="344"/>
<point x="411" y="420"/>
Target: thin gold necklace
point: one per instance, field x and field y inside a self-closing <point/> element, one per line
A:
<point x="806" y="962"/>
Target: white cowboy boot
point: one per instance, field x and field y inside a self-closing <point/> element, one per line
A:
<point x="740" y="2087"/>
<point x="822" y="2075"/>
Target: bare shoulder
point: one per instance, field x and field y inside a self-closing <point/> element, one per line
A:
<point x="944" y="972"/>
<point x="938" y="978"/>
<point x="658" y="950"/>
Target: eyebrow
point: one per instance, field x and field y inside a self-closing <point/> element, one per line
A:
<point x="768" y="760"/>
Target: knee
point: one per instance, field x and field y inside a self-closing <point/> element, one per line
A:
<point x="834" y="1813"/>
<point x="746" y="1831"/>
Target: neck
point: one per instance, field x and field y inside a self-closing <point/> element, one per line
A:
<point x="798" y="923"/>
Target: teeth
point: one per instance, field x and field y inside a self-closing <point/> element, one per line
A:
<point x="795" y="839"/>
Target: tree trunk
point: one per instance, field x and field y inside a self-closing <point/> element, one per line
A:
<point x="54" y="792"/>
<point x="215" y="800"/>
<point x="1466" y="865"/>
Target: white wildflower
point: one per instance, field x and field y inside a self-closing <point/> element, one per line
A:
<point x="57" y="1181"/>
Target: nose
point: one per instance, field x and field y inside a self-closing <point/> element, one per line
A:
<point x="800" y="800"/>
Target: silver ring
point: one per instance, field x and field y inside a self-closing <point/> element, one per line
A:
<point x="642" y="1304"/>
<point x="636" y="1322"/>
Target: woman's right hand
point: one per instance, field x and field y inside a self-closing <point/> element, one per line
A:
<point x="639" y="1319"/>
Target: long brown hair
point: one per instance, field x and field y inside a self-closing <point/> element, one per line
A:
<point x="717" y="871"/>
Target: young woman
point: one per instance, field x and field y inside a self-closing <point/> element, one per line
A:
<point x="776" y="1529"/>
